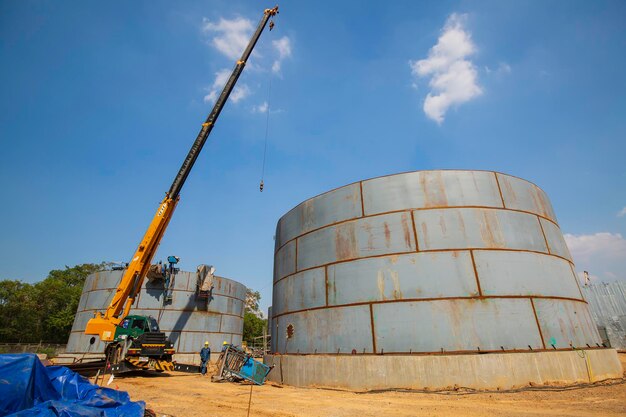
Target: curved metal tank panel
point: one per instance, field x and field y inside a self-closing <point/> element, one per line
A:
<point x="187" y="322"/>
<point x="427" y="261"/>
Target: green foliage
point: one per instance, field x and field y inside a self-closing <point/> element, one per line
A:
<point x="45" y="310"/>
<point x="49" y="351"/>
<point x="253" y="323"/>
<point x="253" y="326"/>
<point x="18" y="310"/>
<point x="252" y="301"/>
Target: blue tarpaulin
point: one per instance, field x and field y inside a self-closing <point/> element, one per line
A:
<point x="27" y="388"/>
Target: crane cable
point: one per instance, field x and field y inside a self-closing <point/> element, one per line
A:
<point x="267" y="126"/>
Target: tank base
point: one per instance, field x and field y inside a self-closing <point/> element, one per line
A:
<point x="436" y="372"/>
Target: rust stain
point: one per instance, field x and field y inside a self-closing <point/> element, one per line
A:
<point x="474" y="181"/>
<point x="345" y="242"/>
<point x="434" y="189"/>
<point x="422" y="180"/>
<point x="313" y="291"/>
<point x="387" y="234"/>
<point x="370" y="237"/>
<point x="540" y="202"/>
<point x="511" y="196"/>
<point x="406" y="230"/>
<point x="307" y="213"/>
<point x="442" y="224"/>
<point x="456" y="313"/>
<point x="461" y="223"/>
<point x="425" y="233"/>
<point x="380" y="280"/>
<point x="326" y="282"/>
<point x="490" y="230"/>
<point x="397" y="294"/>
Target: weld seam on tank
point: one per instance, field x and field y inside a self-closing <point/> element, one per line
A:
<point x="216" y="313"/>
<point x="181" y="331"/>
<point x="175" y="291"/>
<point x="439" y="353"/>
<point x="431" y="299"/>
<point x="480" y="291"/>
<point x="495" y="175"/>
<point x="423" y="251"/>
<point x="577" y="283"/>
<point x="361" y="197"/>
<point x="543" y="341"/>
<point x="410" y="172"/>
<point x="416" y="209"/>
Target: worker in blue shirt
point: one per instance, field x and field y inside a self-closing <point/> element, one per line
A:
<point x="205" y="355"/>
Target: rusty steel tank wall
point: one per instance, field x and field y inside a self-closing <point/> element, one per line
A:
<point x="187" y="321"/>
<point x="426" y="262"/>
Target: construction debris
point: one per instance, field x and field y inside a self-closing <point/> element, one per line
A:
<point x="234" y="364"/>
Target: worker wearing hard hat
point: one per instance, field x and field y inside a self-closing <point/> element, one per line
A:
<point x="205" y="356"/>
<point x="224" y="345"/>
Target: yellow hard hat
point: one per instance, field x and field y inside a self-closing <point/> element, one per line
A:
<point x="225" y="342"/>
<point x="206" y="343"/>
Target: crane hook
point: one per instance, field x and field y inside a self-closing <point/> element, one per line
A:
<point x="261" y="186"/>
<point x="271" y="25"/>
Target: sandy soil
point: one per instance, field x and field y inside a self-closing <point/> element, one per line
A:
<point x="184" y="395"/>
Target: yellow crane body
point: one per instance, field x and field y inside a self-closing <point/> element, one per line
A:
<point x="104" y="324"/>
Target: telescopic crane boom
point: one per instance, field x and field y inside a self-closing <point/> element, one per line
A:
<point x="105" y="324"/>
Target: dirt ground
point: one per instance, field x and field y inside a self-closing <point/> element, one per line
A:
<point x="183" y="395"/>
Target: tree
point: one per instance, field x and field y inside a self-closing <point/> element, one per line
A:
<point x="253" y="326"/>
<point x="252" y="302"/>
<point x="18" y="307"/>
<point x="58" y="296"/>
<point x="253" y="322"/>
<point x="43" y="311"/>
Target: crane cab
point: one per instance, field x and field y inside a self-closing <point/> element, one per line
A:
<point x="141" y="345"/>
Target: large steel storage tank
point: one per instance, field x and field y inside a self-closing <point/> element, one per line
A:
<point x="188" y="321"/>
<point x="378" y="273"/>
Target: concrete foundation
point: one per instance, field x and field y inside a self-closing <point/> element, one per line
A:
<point x="477" y="371"/>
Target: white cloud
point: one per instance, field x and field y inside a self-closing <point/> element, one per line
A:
<point x="622" y="212"/>
<point x="283" y="47"/>
<point x="261" y="108"/>
<point x="602" y="254"/>
<point x="231" y="37"/>
<point x="453" y="77"/>
<point x="604" y="244"/>
<point x="504" y="68"/>
<point x="240" y="91"/>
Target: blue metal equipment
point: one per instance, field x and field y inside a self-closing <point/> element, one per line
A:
<point x="236" y="364"/>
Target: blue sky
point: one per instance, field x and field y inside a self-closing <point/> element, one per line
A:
<point x="100" y="102"/>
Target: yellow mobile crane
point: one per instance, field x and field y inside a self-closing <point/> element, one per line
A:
<point x="137" y="339"/>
